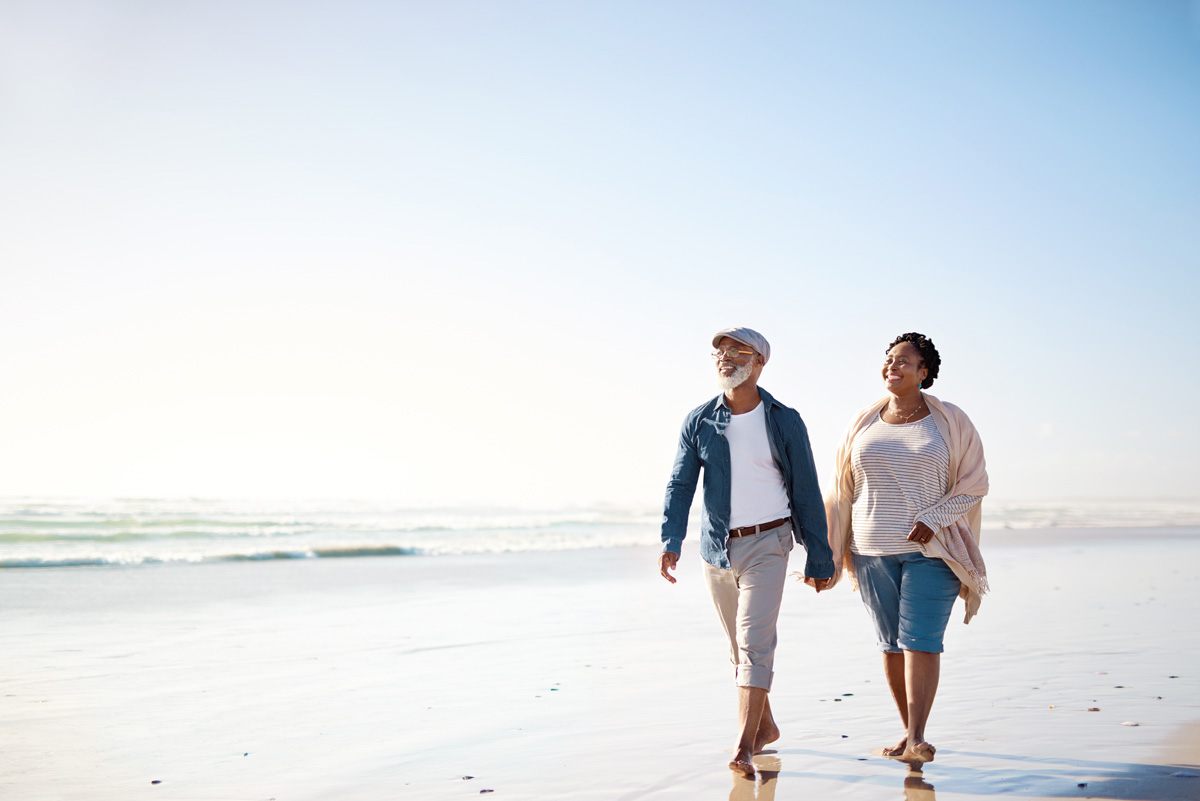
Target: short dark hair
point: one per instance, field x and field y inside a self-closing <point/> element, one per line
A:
<point x="929" y="354"/>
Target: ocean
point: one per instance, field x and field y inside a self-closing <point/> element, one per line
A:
<point x="67" y="532"/>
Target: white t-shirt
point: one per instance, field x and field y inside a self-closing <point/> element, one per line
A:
<point x="757" y="494"/>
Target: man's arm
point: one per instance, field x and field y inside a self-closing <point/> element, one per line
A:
<point x="681" y="489"/>
<point x="810" y="509"/>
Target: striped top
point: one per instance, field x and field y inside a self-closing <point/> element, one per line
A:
<point x="900" y="471"/>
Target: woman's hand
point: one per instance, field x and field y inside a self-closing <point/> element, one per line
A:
<point x="816" y="584"/>
<point x="920" y="533"/>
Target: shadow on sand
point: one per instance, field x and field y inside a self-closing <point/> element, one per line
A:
<point x="1029" y="777"/>
<point x="1052" y="777"/>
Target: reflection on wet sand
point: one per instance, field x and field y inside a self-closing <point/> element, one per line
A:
<point x="915" y="786"/>
<point x="762" y="787"/>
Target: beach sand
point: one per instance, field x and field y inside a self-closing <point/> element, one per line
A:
<point x="581" y="674"/>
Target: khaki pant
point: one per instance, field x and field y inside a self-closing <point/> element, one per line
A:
<point x="748" y="598"/>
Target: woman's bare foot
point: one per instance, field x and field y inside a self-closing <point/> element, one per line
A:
<point x="742" y="764"/>
<point x="921" y="752"/>
<point x="765" y="737"/>
<point x="897" y="749"/>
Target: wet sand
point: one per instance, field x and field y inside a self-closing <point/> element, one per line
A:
<point x="581" y="674"/>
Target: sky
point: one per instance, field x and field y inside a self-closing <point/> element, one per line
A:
<point x="473" y="253"/>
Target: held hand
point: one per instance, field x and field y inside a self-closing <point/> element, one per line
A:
<point x="667" y="561"/>
<point x="816" y="584"/>
<point x="920" y="533"/>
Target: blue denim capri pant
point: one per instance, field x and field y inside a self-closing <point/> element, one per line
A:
<point x="909" y="596"/>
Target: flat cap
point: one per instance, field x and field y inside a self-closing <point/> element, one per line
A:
<point x="747" y="336"/>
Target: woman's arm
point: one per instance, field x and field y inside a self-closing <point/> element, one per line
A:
<point x="947" y="511"/>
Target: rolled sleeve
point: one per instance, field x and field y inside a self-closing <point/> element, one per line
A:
<point x="948" y="511"/>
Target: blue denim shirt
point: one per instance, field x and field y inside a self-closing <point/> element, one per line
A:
<point x="702" y="443"/>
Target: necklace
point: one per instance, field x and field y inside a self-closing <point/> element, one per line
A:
<point x="913" y="414"/>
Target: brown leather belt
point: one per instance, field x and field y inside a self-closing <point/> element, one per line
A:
<point x="744" y="530"/>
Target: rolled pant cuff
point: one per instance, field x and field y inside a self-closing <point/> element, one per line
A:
<point x="928" y="646"/>
<point x="754" y="676"/>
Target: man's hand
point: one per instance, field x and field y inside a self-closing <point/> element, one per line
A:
<point x="920" y="534"/>
<point x="667" y="560"/>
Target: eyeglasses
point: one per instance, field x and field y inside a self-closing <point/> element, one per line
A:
<point x="731" y="353"/>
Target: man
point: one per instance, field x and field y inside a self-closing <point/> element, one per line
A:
<point x="760" y="494"/>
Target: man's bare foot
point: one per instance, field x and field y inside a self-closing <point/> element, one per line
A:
<point x="742" y="764"/>
<point x="897" y="749"/>
<point x="765" y="737"/>
<point x="921" y="752"/>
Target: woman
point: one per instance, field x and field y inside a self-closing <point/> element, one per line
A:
<point x="903" y="519"/>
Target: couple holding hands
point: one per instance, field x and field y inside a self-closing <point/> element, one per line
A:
<point x="902" y="519"/>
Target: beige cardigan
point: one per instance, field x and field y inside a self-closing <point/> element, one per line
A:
<point x="958" y="543"/>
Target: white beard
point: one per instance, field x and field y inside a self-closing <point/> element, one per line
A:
<point x="736" y="378"/>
